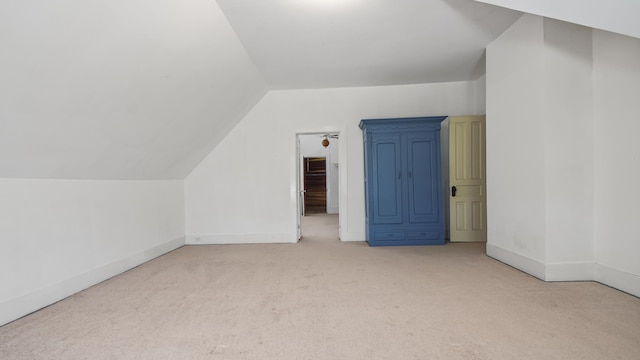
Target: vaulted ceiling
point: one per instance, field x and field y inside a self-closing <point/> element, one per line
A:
<point x="144" y="89"/>
<point x="119" y="89"/>
<point x="338" y="43"/>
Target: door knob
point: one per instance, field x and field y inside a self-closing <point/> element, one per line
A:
<point x="453" y="191"/>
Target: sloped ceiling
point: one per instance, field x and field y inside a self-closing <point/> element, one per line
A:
<point x="119" y="89"/>
<point x="338" y="43"/>
<point x="619" y="16"/>
<point x="144" y="89"/>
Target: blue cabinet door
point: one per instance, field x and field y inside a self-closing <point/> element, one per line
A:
<point x="385" y="179"/>
<point x="422" y="177"/>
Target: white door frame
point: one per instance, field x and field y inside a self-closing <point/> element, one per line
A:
<point x="341" y="180"/>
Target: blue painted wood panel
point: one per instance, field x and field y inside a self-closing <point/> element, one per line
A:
<point x="386" y="180"/>
<point x="422" y="168"/>
<point x="403" y="181"/>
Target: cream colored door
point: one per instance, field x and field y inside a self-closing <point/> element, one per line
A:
<point x="467" y="192"/>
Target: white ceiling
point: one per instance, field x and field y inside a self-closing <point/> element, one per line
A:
<point x="338" y="43"/>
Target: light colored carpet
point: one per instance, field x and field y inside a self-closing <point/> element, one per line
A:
<point x="323" y="299"/>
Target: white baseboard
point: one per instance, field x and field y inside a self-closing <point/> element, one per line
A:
<point x="228" y="239"/>
<point x="520" y="262"/>
<point x="36" y="300"/>
<point x="277" y="238"/>
<point x="353" y="236"/>
<point x="621" y="280"/>
<point x="583" y="271"/>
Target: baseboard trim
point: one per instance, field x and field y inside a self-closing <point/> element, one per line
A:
<point x="26" y="304"/>
<point x="281" y="238"/>
<point x="621" y="280"/>
<point x="353" y="237"/>
<point x="520" y="262"/>
<point x="230" y="239"/>
<point x="583" y="271"/>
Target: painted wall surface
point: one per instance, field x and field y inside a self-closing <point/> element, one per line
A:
<point x="579" y="116"/>
<point x="568" y="147"/>
<point x="481" y="95"/>
<point x="620" y="16"/>
<point x="235" y="197"/>
<point x="58" y="237"/>
<point x="515" y="142"/>
<point x="311" y="146"/>
<point x="617" y="159"/>
<point x="118" y="89"/>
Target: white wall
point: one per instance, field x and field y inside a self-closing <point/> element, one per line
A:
<point x="481" y="95"/>
<point x="561" y="100"/>
<point x="617" y="159"/>
<point x="58" y="237"/>
<point x="568" y="150"/>
<point x="515" y="144"/>
<point x="540" y="148"/>
<point x="311" y="146"/>
<point x="235" y="196"/>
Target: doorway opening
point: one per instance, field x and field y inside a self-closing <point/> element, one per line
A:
<point x="314" y="173"/>
<point x="318" y="179"/>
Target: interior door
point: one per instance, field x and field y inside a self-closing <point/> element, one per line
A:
<point x="467" y="195"/>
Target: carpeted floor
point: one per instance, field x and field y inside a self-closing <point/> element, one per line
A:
<point x="324" y="299"/>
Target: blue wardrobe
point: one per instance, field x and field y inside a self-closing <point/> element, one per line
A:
<point x="403" y="180"/>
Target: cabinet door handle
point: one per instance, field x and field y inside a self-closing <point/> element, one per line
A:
<point x="453" y="191"/>
<point x="410" y="174"/>
<point x="399" y="175"/>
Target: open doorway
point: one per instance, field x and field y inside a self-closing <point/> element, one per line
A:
<point x="314" y="187"/>
<point x="318" y="186"/>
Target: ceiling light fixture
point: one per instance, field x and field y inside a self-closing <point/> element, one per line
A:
<point x="326" y="137"/>
<point x="325" y="141"/>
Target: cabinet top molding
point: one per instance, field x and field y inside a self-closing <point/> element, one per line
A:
<point x="381" y="125"/>
<point x="403" y="121"/>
